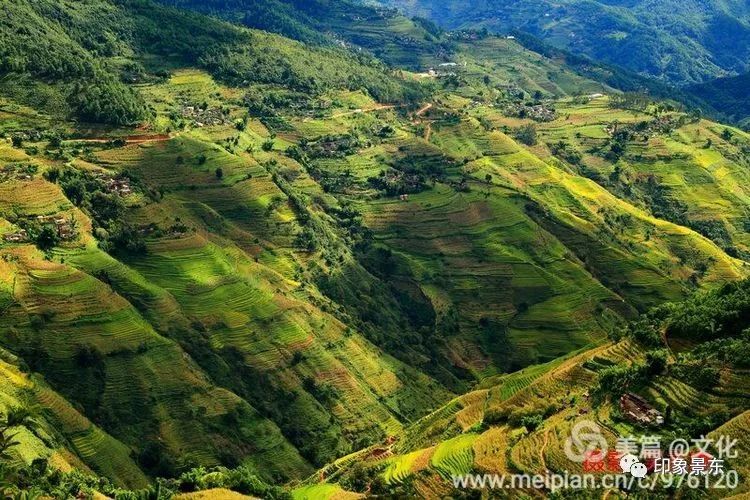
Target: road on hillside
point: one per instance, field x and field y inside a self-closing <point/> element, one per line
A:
<point x="424" y="109"/>
<point x="428" y="129"/>
<point x="364" y="110"/>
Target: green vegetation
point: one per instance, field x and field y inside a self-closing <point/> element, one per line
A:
<point x="302" y="258"/>
<point x="671" y="40"/>
<point x="384" y="33"/>
<point x="728" y="96"/>
<point x="527" y="431"/>
<point x="85" y="67"/>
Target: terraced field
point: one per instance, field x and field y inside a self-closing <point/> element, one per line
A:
<point x="455" y="456"/>
<point x="736" y="429"/>
<point x="700" y="165"/>
<point x="120" y="343"/>
<point x="292" y="279"/>
<point x="61" y="434"/>
<point x="560" y="392"/>
<point x="489" y="244"/>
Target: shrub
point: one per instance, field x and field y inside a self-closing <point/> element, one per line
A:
<point x="527" y="134"/>
<point x="532" y="422"/>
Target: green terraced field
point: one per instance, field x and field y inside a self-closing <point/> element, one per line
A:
<point x="455" y="456"/>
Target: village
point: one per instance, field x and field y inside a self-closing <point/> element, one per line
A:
<point x="536" y="112"/>
<point x="18" y="172"/>
<point x="203" y="115"/>
<point x="116" y="185"/>
<point x="65" y="228"/>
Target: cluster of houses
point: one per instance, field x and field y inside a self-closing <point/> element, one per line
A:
<point x="443" y="69"/>
<point x="65" y="227"/>
<point x="17" y="172"/>
<point x="176" y="230"/>
<point x="639" y="411"/>
<point x="203" y="116"/>
<point x="29" y="135"/>
<point x="464" y="35"/>
<point x="661" y="125"/>
<point x="537" y="112"/>
<point x="381" y="452"/>
<point x="117" y="185"/>
<point x="18" y="237"/>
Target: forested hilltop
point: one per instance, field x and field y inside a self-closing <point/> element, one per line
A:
<point x="239" y="261"/>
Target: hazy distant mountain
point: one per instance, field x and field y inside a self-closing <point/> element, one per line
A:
<point x="682" y="41"/>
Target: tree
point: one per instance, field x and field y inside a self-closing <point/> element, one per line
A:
<point x="47" y="238"/>
<point x="17" y="416"/>
<point x="532" y="422"/>
<point x="17" y="141"/>
<point x="219" y="173"/>
<point x="527" y="134"/>
<point x="727" y="135"/>
<point x="103" y="99"/>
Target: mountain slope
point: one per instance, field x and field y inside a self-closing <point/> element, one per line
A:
<point x="77" y="60"/>
<point x="519" y="423"/>
<point x="60" y="434"/>
<point x="137" y="348"/>
<point x="418" y="44"/>
<point x="385" y="33"/>
<point x="676" y="41"/>
<point x="299" y="251"/>
<point x="728" y="96"/>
